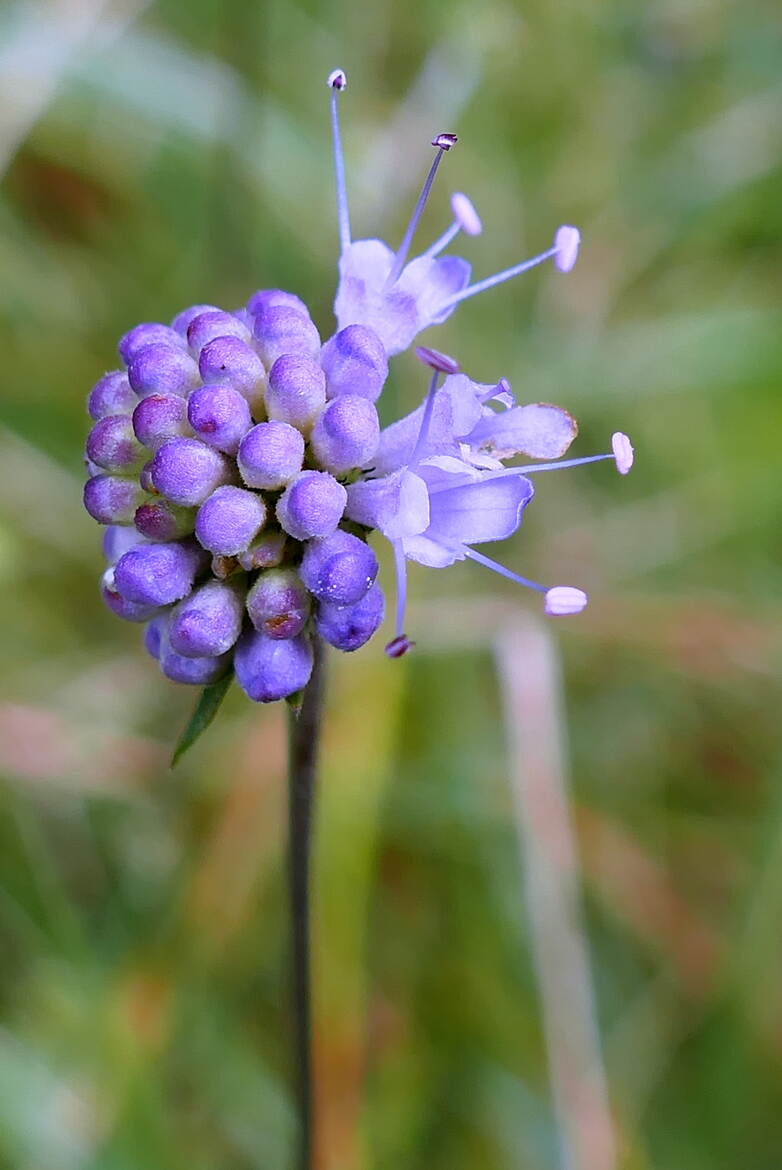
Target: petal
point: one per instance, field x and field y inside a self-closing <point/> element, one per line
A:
<point x="430" y="553"/>
<point x="397" y="504"/>
<point x="362" y="298"/>
<point x="471" y="513"/>
<point x="541" y="431"/>
<point x="433" y="282"/>
<point x="457" y="409"/>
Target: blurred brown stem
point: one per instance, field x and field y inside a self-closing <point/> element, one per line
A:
<point x="303" y="737"/>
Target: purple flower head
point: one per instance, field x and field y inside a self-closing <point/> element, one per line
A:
<point x="354" y="361"/>
<point x="243" y="487"/>
<point x="279" y="604"/>
<point x="270" y="455"/>
<point x="312" y="505"/>
<point x="229" y="520"/>
<point x="112" y="394"/>
<point x="296" y="393"/>
<point x="346" y="434"/>
<point x="348" y="627"/>
<point x="220" y="416"/>
<point x="161" y="368"/>
<point x="208" y="621"/>
<point x="268" y="669"/>
<point x="187" y="471"/>
<point x="339" y="569"/>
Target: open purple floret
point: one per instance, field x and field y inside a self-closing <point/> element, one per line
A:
<point x="239" y="466"/>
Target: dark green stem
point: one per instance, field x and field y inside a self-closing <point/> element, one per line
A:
<point x="303" y="735"/>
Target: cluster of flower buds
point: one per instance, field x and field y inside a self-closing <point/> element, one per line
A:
<point x="219" y="459"/>
<point x="240" y="467"/>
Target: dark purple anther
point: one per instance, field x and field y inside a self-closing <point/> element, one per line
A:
<point x="436" y="360"/>
<point x="398" y="647"/>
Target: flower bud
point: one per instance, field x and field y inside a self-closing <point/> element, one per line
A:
<point x="187" y="471"/>
<point x="340" y="569"/>
<point x="355" y="362"/>
<point x="110" y="499"/>
<point x="181" y="322"/>
<point x="220" y="416"/>
<point x="160" y="417"/>
<point x="280" y="330"/>
<point x="162" y="369"/>
<point x="148" y="333"/>
<point x="269" y="298"/>
<point x="214" y="323"/>
<point x="346" y="435"/>
<point x="270" y="455"/>
<point x="347" y="627"/>
<point x="112" y="445"/>
<point x="117" y="539"/>
<point x="279" y="604"/>
<point x="266" y="552"/>
<point x="312" y="505"/>
<point x="161" y="520"/>
<point x="112" y="394"/>
<point x="268" y="669"/>
<point x="231" y="360"/>
<point x="196" y="672"/>
<point x="153" y="634"/>
<point x="296" y="392"/>
<point x="209" y="621"/>
<point x="229" y="520"/>
<point x="157" y="574"/>
<point x="129" y="611"/>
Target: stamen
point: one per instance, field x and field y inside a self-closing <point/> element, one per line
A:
<point x="465" y="219"/>
<point x="623" y="452"/>
<point x="442" y="142"/>
<point x="561" y="600"/>
<point x="436" y="359"/>
<point x="566" y="242"/>
<point x="564" y="600"/>
<point x="495" y="567"/>
<point x="501" y="393"/>
<point x="498" y="278"/>
<point x="399" y="645"/>
<point x="337" y="81"/>
<point x="423" y="434"/>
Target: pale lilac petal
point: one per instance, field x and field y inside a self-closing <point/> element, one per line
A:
<point x="540" y="431"/>
<point x="428" y="552"/>
<point x="432" y="282"/>
<point x="397" y="504"/>
<point x="489" y="509"/>
<point x="456" y="411"/>
<point x="362" y="298"/>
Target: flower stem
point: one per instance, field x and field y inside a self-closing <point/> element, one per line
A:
<point x="303" y="735"/>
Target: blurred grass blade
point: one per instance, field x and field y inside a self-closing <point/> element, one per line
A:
<point x="206" y="708"/>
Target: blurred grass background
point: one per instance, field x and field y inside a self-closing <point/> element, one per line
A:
<point x="159" y="154"/>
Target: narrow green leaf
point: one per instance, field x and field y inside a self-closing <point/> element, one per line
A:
<point x="205" y="711"/>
